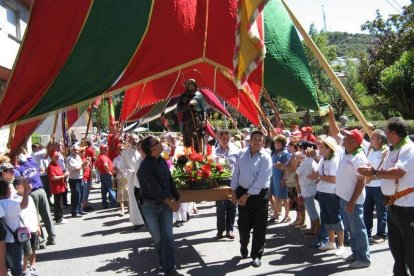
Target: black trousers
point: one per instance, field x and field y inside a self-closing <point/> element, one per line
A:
<point x="138" y="200"/>
<point x="401" y="238"/>
<point x="58" y="206"/>
<point x="254" y="216"/>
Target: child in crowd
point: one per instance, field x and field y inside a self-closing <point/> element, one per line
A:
<point x="31" y="221"/>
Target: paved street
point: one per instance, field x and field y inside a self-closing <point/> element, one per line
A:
<point x="103" y="243"/>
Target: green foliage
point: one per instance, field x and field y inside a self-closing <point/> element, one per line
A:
<point x="349" y="44"/>
<point x="398" y="82"/>
<point x="392" y="37"/>
<point x="36" y="138"/>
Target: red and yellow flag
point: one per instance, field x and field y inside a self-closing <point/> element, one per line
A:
<point x="112" y="123"/>
<point x="250" y="49"/>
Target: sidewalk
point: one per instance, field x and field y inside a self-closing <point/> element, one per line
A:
<point x="103" y="243"/>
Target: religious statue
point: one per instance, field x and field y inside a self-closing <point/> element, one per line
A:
<point x="193" y="109"/>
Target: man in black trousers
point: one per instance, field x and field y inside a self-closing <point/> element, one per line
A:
<point x="250" y="189"/>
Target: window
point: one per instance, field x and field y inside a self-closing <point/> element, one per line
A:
<point x="13" y="23"/>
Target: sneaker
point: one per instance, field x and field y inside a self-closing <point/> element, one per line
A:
<point x="378" y="239"/>
<point x="349" y="258"/>
<point x="359" y="264"/>
<point x="328" y="246"/>
<point x="317" y="244"/>
<point x="33" y="271"/>
<point x="340" y="251"/>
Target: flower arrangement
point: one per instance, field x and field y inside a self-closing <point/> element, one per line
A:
<point x="194" y="171"/>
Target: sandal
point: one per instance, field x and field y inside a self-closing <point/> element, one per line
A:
<point x="286" y="220"/>
<point x="301" y="226"/>
<point x="273" y="219"/>
<point x="294" y="223"/>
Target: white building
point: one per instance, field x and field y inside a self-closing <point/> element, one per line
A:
<point x="14" y="15"/>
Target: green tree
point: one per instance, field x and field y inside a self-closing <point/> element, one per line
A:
<point x="391" y="38"/>
<point x="397" y="81"/>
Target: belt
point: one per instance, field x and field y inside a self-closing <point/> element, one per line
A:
<point x="389" y="200"/>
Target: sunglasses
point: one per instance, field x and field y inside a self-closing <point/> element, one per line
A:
<point x="154" y="142"/>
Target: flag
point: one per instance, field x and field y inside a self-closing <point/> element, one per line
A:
<point x="250" y="49"/>
<point x="112" y="123"/>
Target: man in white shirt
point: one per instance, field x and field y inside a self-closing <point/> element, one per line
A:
<point x="375" y="151"/>
<point x="350" y="189"/>
<point x="397" y="184"/>
<point x="74" y="166"/>
<point x="250" y="189"/>
<point x="226" y="210"/>
<point x="130" y="162"/>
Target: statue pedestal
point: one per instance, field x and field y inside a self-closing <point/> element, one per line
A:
<point x="214" y="194"/>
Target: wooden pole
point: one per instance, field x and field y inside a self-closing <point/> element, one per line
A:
<point x="272" y="104"/>
<point x="12" y="131"/>
<point x="55" y="123"/>
<point x="89" y="122"/>
<point x="337" y="83"/>
<point x="253" y="100"/>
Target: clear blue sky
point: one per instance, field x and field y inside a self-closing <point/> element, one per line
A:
<point x="342" y="15"/>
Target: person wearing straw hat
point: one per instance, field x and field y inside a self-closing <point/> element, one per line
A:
<point x="328" y="201"/>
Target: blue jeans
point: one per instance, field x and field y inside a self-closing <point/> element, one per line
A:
<point x="85" y="190"/>
<point x="14" y="253"/>
<point x="355" y="224"/>
<point x="374" y="197"/>
<point x="159" y="218"/>
<point x="75" y="195"/>
<point x="330" y="211"/>
<point x="106" y="187"/>
<point x="311" y="208"/>
<point x="226" y="215"/>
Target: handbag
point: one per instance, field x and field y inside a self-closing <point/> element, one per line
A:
<point x="21" y="234"/>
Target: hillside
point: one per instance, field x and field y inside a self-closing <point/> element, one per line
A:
<point x="347" y="42"/>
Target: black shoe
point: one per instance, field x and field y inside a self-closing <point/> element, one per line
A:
<point x="244" y="252"/>
<point x="51" y="242"/>
<point x="173" y="273"/>
<point x="137" y="227"/>
<point x="230" y="235"/>
<point x="88" y="208"/>
<point x="82" y="213"/>
<point x="76" y="216"/>
<point x="219" y="235"/>
<point x="257" y="262"/>
<point x="177" y="224"/>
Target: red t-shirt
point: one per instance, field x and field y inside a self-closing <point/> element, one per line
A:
<point x="86" y="171"/>
<point x="113" y="143"/>
<point x="102" y="159"/>
<point x="90" y="152"/>
<point x="56" y="186"/>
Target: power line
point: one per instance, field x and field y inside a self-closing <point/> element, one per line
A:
<point x="398" y="4"/>
<point x="392" y="5"/>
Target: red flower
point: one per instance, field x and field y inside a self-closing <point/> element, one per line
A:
<point x="206" y="170"/>
<point x="196" y="157"/>
<point x="219" y="167"/>
<point x="209" y="150"/>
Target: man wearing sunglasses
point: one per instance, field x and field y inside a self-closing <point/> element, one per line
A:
<point x="159" y="199"/>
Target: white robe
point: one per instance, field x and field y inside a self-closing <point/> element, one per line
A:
<point x="130" y="162"/>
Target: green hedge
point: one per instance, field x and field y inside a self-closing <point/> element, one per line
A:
<point x="323" y="129"/>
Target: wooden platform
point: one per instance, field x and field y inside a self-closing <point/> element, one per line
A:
<point x="220" y="193"/>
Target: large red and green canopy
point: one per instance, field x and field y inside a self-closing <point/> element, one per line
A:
<point x="77" y="50"/>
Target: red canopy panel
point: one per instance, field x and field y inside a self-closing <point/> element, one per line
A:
<point x="42" y="49"/>
<point x="22" y="134"/>
<point x="172" y="86"/>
